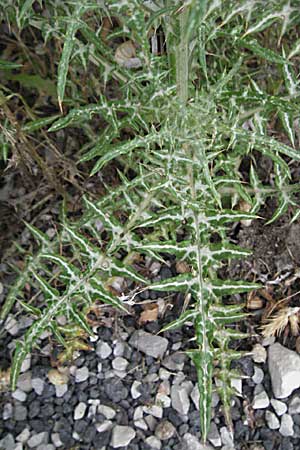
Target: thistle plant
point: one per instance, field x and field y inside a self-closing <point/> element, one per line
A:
<point x="194" y="114"/>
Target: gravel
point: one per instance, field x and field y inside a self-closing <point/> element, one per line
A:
<point x="261" y="399"/>
<point x="149" y="344"/>
<point x="272" y="420"/>
<point x="284" y="368"/>
<point x="165" y="430"/>
<point x="180" y="399"/>
<point x="120" y="363"/>
<point x="287" y="425"/>
<point x="79" y="411"/>
<point x="38" y="439"/>
<point x="279" y="407"/>
<point x="81" y="374"/>
<point x="38" y="385"/>
<point x="122" y="436"/>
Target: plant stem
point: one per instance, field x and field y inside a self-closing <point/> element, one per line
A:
<point x="182" y="58"/>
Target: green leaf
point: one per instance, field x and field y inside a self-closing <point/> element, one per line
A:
<point x="9" y="65"/>
<point x="262" y="52"/>
<point x="80" y="319"/>
<point x="37" y="124"/>
<point x="19" y="356"/>
<point x="98" y="292"/>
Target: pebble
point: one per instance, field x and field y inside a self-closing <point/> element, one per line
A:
<point x="154" y="410"/>
<point x="180" y="399"/>
<point x="11" y="325"/>
<point x="122" y="436"/>
<point x="279" y="407"/>
<point x="38" y="439"/>
<point x="226" y="437"/>
<point x="57" y="378"/>
<point x="163" y="400"/>
<point x="164" y="374"/>
<point x="26" y="364"/>
<point x="7" y="411"/>
<point x="272" y="420"/>
<point x="25" y="382"/>
<point x="153" y="442"/>
<point x="61" y="390"/>
<point x="140" y="423"/>
<point x="138" y="413"/>
<point x="294" y="406"/>
<point x="19" y="395"/>
<point x="191" y="442"/>
<point x="79" y="411"/>
<point x="38" y="385"/>
<point x="258" y="375"/>
<point x="236" y="384"/>
<point x="45" y="447"/>
<point x="81" y="374"/>
<point x="174" y="362"/>
<point x="103" y="350"/>
<point x="165" y="430"/>
<point x="104" y="426"/>
<point x="23" y="436"/>
<point x="55" y="438"/>
<point x="149" y="344"/>
<point x="287" y="425"/>
<point x="120" y="363"/>
<point x="259" y="354"/>
<point x="8" y="442"/>
<point x="106" y="411"/>
<point x="20" y="413"/>
<point x="214" y="435"/>
<point x="261" y="399"/>
<point x="135" y="393"/>
<point x="119" y="349"/>
<point x="284" y="368"/>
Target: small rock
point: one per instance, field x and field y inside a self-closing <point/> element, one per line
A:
<point x="81" y="374"/>
<point x="287" y="425"/>
<point x="104" y="426"/>
<point x="153" y="442"/>
<point x="19" y="446"/>
<point x="180" y="399"/>
<point x="236" y="384"/>
<point x="7" y="411"/>
<point x="11" y="325"/>
<point x="25" y="382"/>
<point x="20" y="413"/>
<point x="7" y="443"/>
<point x="61" y="390"/>
<point x="164" y="374"/>
<point x="38" y="439"/>
<point x="79" y="411"/>
<point x="226" y="437"/>
<point x="120" y="363"/>
<point x="138" y="413"/>
<point x="122" y="436"/>
<point x="191" y="442"/>
<point x="268" y="341"/>
<point x="284" y="368"/>
<point x="19" y="395"/>
<point x="214" y="435"/>
<point x="103" y="350"/>
<point x="294" y="406"/>
<point x="135" y="393"/>
<point x="151" y="422"/>
<point x="261" y="400"/>
<point x="175" y="361"/>
<point x="26" y="364"/>
<point x="258" y="375"/>
<point x="55" y="438"/>
<point x="272" y="421"/>
<point x="140" y="423"/>
<point x="279" y="407"/>
<point x="23" y="436"/>
<point x="46" y="447"/>
<point x="38" y="385"/>
<point x="154" y="410"/>
<point x="163" y="400"/>
<point x="259" y="354"/>
<point x="106" y="411"/>
<point x="149" y="344"/>
<point x="165" y="430"/>
<point x="119" y="349"/>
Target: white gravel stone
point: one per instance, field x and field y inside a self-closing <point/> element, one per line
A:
<point x="7" y="443"/>
<point x="259" y="353"/>
<point x="104" y="426"/>
<point x="79" y="411"/>
<point x="165" y="430"/>
<point x="164" y="374"/>
<point x="38" y="439"/>
<point x="19" y="395"/>
<point x="258" y="375"/>
<point x="191" y="442"/>
<point x="226" y="437"/>
<point x="99" y="367"/>
<point x="154" y="410"/>
<point x="45" y="447"/>
<point x="7" y="411"/>
<point x="214" y="435"/>
<point x="272" y="420"/>
<point x="26" y="364"/>
<point x="138" y="413"/>
<point x="107" y="411"/>
<point x="151" y="422"/>
<point x="103" y="350"/>
<point x="19" y="446"/>
<point x="163" y="400"/>
<point x="294" y="406"/>
<point x="38" y="385"/>
<point x="140" y="423"/>
<point x="119" y="349"/>
<point x="261" y="400"/>
<point x="279" y="407"/>
<point x="55" y="438"/>
<point x="11" y="325"/>
<point x="268" y="341"/>
<point x="60" y="390"/>
<point x="25" y="382"/>
<point x="149" y="344"/>
<point x="180" y="399"/>
<point x="153" y="442"/>
<point x="81" y="374"/>
<point x="284" y="368"/>
<point x="236" y="383"/>
<point x="23" y="436"/>
<point x="135" y="393"/>
<point x="287" y="425"/>
<point x="120" y="363"/>
<point x="122" y="436"/>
